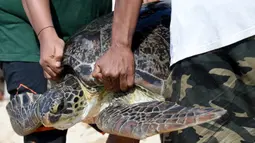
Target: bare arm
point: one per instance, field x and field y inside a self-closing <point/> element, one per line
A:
<point x="38" y="12"/>
<point x="125" y="19"/>
<point x="51" y="46"/>
<point x="116" y="67"/>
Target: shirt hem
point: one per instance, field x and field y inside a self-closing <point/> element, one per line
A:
<point x="213" y="46"/>
<point x="19" y="57"/>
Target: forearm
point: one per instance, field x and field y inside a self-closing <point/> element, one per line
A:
<point x="24" y="3"/>
<point x="124" y="22"/>
<point x="38" y="13"/>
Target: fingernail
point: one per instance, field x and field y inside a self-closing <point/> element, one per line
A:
<point x="58" y="64"/>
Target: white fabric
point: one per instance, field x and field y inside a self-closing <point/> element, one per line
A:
<point x="199" y="26"/>
<point x="113" y="4"/>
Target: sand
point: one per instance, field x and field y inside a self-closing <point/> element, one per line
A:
<point x="80" y="133"/>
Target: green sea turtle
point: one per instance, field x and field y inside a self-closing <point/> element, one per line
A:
<point x="139" y="113"/>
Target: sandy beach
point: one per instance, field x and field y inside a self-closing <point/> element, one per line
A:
<point x="80" y="133"/>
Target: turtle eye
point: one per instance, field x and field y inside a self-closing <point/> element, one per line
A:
<point x="54" y="109"/>
<point x="57" y="107"/>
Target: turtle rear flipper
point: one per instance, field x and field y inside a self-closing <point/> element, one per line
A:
<point x="146" y="119"/>
<point x="22" y="112"/>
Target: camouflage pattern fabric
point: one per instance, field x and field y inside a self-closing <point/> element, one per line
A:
<point x="221" y="78"/>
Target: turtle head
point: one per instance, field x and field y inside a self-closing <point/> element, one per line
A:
<point x="64" y="105"/>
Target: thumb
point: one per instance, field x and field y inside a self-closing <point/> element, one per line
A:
<point x="97" y="72"/>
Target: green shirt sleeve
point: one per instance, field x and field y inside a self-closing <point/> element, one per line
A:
<point x="17" y="38"/>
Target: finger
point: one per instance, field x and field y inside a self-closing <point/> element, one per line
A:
<point x="57" y="78"/>
<point x="58" y="64"/>
<point x="115" y="79"/>
<point x="49" y="71"/>
<point x="43" y="63"/>
<point x="97" y="72"/>
<point x="46" y="75"/>
<point x="100" y="80"/>
<point x="130" y="77"/>
<point x="123" y="82"/>
<point x="51" y="63"/>
<point x="115" y="84"/>
<point x="111" y="81"/>
<point x="111" y="84"/>
<point x="107" y="83"/>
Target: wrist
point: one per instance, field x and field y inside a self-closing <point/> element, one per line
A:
<point x="120" y="45"/>
<point x="46" y="33"/>
<point x="44" y="29"/>
<point x="121" y="41"/>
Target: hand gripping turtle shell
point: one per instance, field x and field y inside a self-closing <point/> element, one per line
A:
<point x="139" y="113"/>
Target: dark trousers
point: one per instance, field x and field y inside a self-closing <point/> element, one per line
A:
<point x="30" y="74"/>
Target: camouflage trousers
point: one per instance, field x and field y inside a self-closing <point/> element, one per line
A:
<point x="221" y="78"/>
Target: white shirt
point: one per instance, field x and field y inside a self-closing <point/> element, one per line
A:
<point x="199" y="26"/>
<point x="113" y="5"/>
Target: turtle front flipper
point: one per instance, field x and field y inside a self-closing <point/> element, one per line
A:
<point x="22" y="113"/>
<point x="146" y="119"/>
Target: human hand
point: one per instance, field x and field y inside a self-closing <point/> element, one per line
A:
<point x="51" y="53"/>
<point x="115" y="69"/>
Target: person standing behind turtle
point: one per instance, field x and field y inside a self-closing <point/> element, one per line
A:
<point x="33" y="32"/>
<point x="212" y="64"/>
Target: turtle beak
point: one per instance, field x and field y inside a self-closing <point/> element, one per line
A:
<point x="48" y="120"/>
<point x="45" y="121"/>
